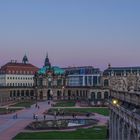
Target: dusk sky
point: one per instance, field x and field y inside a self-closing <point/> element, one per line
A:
<point x="73" y="32"/>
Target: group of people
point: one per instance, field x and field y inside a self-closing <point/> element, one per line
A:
<point x="37" y="106"/>
<point x="58" y="113"/>
<point x="35" y="117"/>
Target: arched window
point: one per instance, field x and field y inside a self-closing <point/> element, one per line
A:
<point x="18" y="93"/>
<point x="99" y="95"/>
<point x="32" y="92"/>
<point x="22" y="93"/>
<point x="27" y="92"/>
<point x="14" y="93"/>
<point x="77" y="92"/>
<point x="93" y="96"/>
<point x="106" y="95"/>
<point x="106" y="82"/>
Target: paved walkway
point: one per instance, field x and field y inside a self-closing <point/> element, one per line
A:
<point x="10" y="127"/>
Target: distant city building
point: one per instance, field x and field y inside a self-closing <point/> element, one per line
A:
<point x="14" y="74"/>
<point x="83" y="76"/>
<point x="121" y="71"/>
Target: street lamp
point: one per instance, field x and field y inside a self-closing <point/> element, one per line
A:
<point x="115" y="102"/>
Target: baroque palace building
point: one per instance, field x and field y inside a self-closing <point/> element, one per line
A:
<point x="22" y="81"/>
<point x="14" y="74"/>
<point x="72" y="83"/>
<point x="124" y="102"/>
<point x="17" y="80"/>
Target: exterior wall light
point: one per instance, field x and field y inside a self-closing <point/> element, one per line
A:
<point x="115" y="102"/>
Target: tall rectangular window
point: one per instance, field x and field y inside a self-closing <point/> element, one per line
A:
<point x="94" y="80"/>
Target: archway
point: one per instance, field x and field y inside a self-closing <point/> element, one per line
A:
<point x="105" y="95"/>
<point x="99" y="95"/>
<point x="58" y="95"/>
<point x="93" y="96"/>
<point x="41" y="95"/>
<point x="69" y="94"/>
<point x="49" y="96"/>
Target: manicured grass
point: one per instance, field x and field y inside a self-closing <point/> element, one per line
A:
<point x="24" y="104"/>
<point x="98" y="132"/>
<point x="102" y="111"/>
<point x="7" y="111"/>
<point x="65" y="104"/>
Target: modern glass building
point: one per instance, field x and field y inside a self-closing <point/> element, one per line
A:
<point x="83" y="76"/>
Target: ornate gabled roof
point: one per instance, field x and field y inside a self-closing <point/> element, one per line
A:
<point x="55" y="69"/>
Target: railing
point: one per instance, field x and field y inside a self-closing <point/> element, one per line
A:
<point x="128" y="116"/>
<point x="130" y="97"/>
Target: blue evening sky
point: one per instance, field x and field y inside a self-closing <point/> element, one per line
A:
<point x="74" y="32"/>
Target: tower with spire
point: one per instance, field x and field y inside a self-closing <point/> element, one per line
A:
<point x="25" y="59"/>
<point x="47" y="62"/>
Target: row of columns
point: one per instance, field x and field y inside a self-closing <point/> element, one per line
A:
<point x="119" y="129"/>
<point x="99" y="95"/>
<point x="21" y="93"/>
<point x="131" y="97"/>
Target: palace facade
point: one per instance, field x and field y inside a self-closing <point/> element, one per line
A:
<point x="15" y="74"/>
<point x="24" y="81"/>
<point x="72" y="83"/>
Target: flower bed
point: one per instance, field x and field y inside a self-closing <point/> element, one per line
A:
<point x="60" y="124"/>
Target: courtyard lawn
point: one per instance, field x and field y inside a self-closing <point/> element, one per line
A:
<point x="9" y="110"/>
<point x="103" y="111"/>
<point x="98" y="132"/>
<point x="65" y="104"/>
<point x="24" y="104"/>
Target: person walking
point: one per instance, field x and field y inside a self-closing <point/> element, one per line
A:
<point x="73" y="115"/>
<point x="55" y="115"/>
<point x="34" y="116"/>
<point x="44" y="117"/>
<point x="38" y="106"/>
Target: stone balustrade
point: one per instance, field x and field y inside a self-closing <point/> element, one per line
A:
<point x="124" y="124"/>
<point x="130" y="97"/>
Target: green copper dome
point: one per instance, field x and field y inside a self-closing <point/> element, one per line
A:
<point x="43" y="70"/>
<point x="56" y="70"/>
